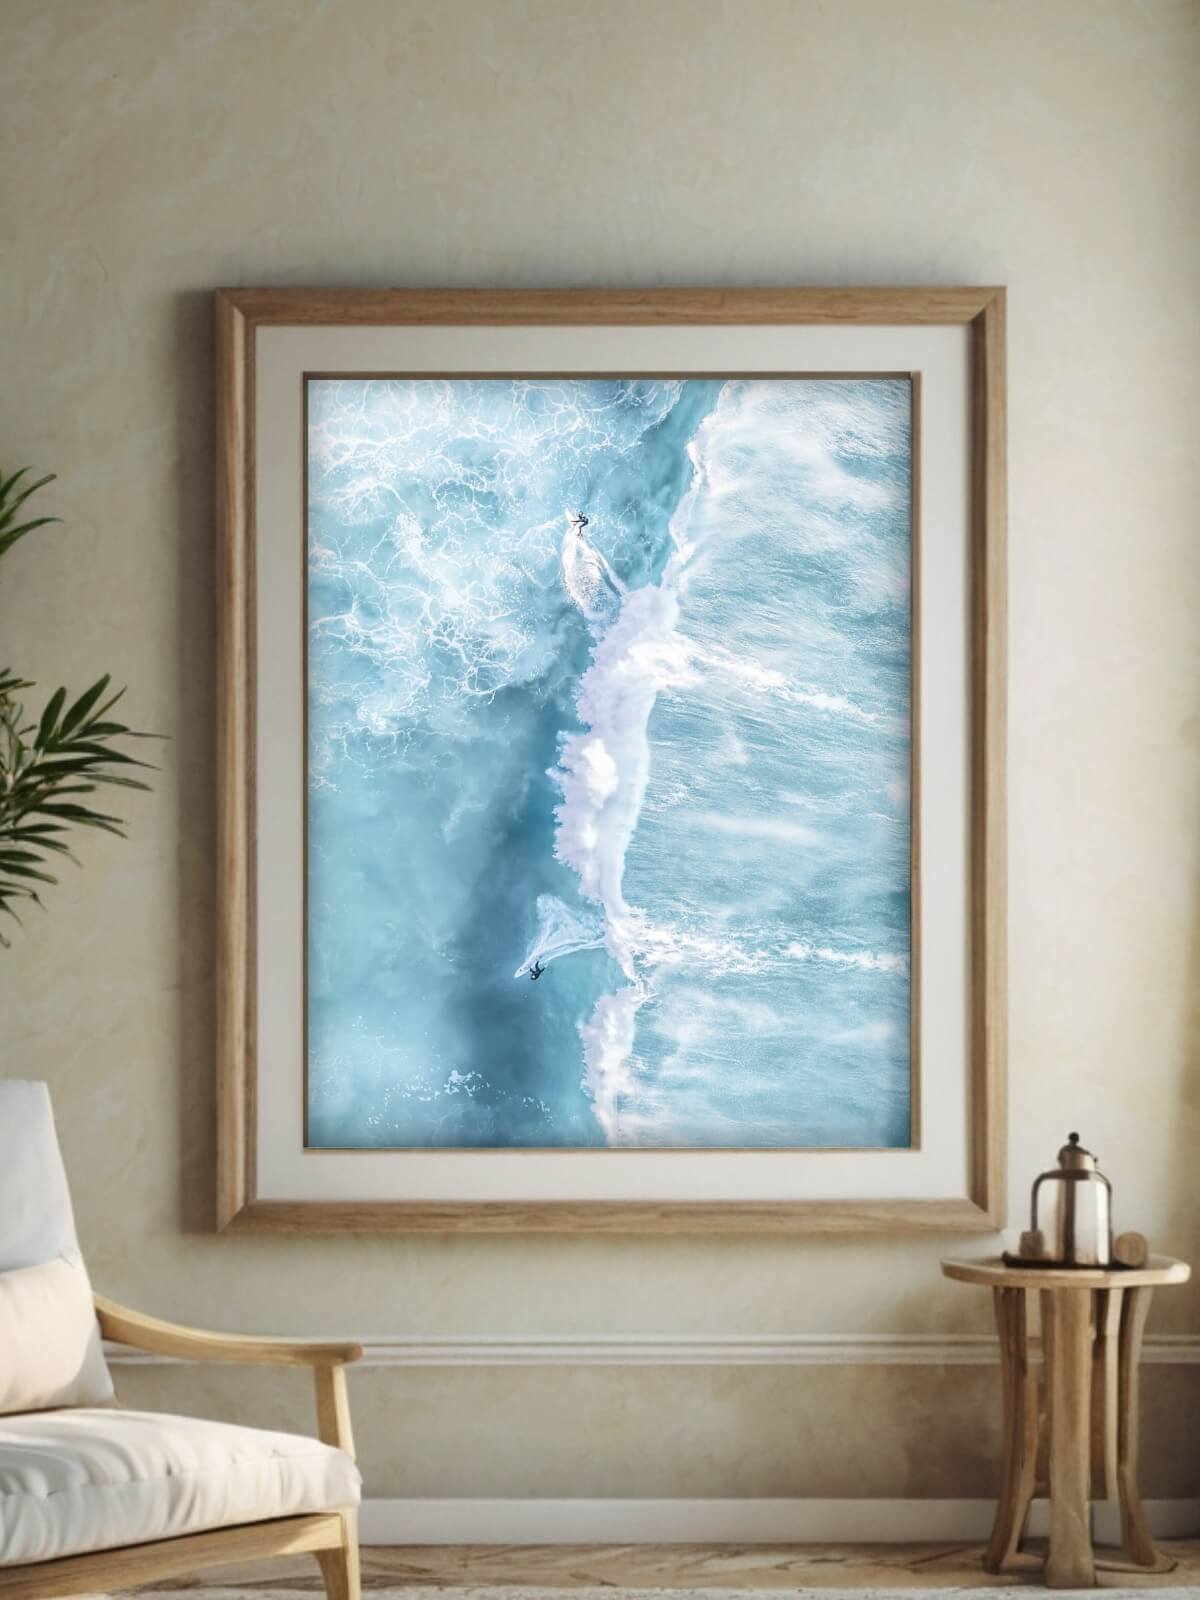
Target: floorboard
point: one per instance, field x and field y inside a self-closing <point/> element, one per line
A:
<point x="649" y="1566"/>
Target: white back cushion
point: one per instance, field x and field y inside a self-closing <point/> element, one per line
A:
<point x="36" y="1222"/>
<point x="50" y="1353"/>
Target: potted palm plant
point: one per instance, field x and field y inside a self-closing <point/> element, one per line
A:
<point x="52" y="765"/>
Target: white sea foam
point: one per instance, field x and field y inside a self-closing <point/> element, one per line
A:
<point x="608" y="1075"/>
<point x="779" y="830"/>
<point x="865" y="960"/>
<point x="755" y="677"/>
<point x="589" y="579"/>
<point x="603" y="772"/>
<point x="881" y="1031"/>
<point x="663" y="945"/>
<point x="438" y="612"/>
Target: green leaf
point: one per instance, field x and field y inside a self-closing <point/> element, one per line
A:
<point x="18" y="891"/>
<point x="44" y="843"/>
<point x="55" y="763"/>
<point x="124" y="783"/>
<point x="12" y="498"/>
<point x="112" y="825"/>
<point x="75" y="813"/>
<point x="9" y="536"/>
<point x="7" y="487"/>
<point x="40" y="774"/>
<point x="50" y="715"/>
<point x="7" y="484"/>
<point x="83" y="705"/>
<point x="11" y="503"/>
<point x="110" y="702"/>
<point x="88" y="747"/>
<point x="28" y="872"/>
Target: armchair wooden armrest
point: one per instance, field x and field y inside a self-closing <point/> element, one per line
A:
<point x="326" y="1359"/>
<point x="194" y="1344"/>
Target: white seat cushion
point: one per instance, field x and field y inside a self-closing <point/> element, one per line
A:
<point x="94" y="1479"/>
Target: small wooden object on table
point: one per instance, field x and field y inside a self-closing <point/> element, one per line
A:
<point x="1085" y="1410"/>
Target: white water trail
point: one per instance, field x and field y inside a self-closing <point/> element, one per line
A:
<point x="560" y="932"/>
<point x="603" y="772"/>
<point x="588" y="577"/>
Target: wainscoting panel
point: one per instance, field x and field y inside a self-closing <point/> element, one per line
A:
<point x="694" y="1350"/>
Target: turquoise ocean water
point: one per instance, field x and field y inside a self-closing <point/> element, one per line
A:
<point x="661" y="758"/>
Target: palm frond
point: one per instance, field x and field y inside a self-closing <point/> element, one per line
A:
<point x="12" y="499"/>
<point x="70" y="749"/>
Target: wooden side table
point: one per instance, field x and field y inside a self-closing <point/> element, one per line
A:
<point x="1083" y="1415"/>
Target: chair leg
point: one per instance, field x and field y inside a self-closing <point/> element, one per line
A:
<point x="339" y="1567"/>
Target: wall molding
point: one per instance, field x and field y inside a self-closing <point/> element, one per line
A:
<point x="543" y="1522"/>
<point x="692" y="1350"/>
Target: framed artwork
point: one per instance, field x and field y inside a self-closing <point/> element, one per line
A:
<point x="611" y="738"/>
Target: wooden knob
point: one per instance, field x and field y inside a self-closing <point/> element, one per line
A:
<point x="1131" y="1249"/>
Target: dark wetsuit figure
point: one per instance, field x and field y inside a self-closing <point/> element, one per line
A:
<point x="536" y="971"/>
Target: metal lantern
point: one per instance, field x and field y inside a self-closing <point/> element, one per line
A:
<point x="1070" y="1218"/>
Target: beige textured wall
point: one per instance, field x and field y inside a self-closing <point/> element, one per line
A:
<point x="157" y="148"/>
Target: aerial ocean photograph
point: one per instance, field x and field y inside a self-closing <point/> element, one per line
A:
<point x="609" y="746"/>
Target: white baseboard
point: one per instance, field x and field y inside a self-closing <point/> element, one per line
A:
<point x="402" y="1522"/>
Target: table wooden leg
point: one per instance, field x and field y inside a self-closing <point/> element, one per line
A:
<point x="1104" y="1394"/>
<point x="1019" y="1400"/>
<point x="1067" y="1331"/>
<point x="1135" y="1535"/>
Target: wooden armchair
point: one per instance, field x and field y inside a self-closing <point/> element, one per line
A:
<point x="93" y="1498"/>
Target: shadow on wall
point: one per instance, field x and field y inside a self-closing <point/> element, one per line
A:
<point x="195" y="741"/>
<point x="1182" y="1180"/>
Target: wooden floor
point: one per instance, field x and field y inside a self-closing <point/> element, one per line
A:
<point x="648" y="1566"/>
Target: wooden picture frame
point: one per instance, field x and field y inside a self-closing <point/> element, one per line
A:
<point x="242" y="316"/>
